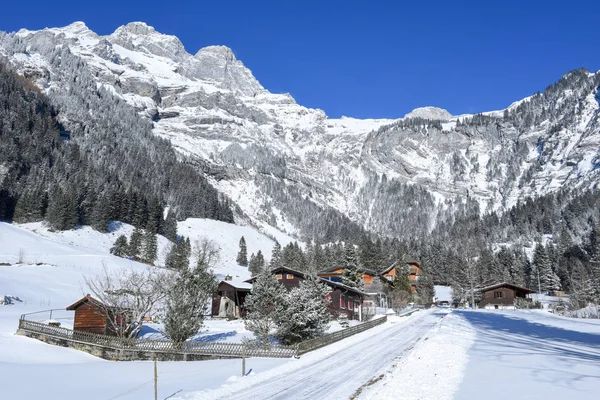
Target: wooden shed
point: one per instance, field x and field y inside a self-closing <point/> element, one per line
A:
<point x="90" y="316"/>
<point x="228" y="301"/>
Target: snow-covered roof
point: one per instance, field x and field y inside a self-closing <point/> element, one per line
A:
<point x="238" y="284"/>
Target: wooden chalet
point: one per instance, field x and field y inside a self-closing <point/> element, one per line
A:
<point x="502" y="296"/>
<point x="334" y="274"/>
<point x="344" y="299"/>
<point x="91" y="315"/>
<point x="228" y="301"/>
<point x="414" y="272"/>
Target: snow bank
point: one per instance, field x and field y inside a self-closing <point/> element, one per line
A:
<point x="433" y="369"/>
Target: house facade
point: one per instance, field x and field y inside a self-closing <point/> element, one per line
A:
<point x="502" y="296"/>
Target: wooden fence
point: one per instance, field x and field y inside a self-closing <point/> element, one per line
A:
<point x="216" y="349"/>
<point x="313" y="344"/>
<point x="157" y="346"/>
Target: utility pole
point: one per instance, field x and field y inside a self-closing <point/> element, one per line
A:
<point x="155" y="380"/>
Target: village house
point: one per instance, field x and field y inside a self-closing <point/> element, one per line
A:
<point x="414" y="271"/>
<point x="502" y="296"/>
<point x="344" y="299"/>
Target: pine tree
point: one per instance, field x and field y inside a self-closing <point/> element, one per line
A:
<point x="150" y="247"/>
<point x="425" y="291"/>
<point x="256" y="264"/>
<point x="276" y="261"/>
<point x="121" y="247"/>
<point x="351" y="275"/>
<point x="265" y="305"/>
<point x="242" y="257"/>
<point x="306" y="314"/>
<point x="135" y="244"/>
<point x="169" y="227"/>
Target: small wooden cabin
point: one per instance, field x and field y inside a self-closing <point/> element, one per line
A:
<point x="502" y="296"/>
<point x="91" y="316"/>
<point x="228" y="301"/>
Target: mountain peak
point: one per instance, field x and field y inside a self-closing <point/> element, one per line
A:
<point x="223" y="52"/>
<point x="135" y="28"/>
<point x="433" y="113"/>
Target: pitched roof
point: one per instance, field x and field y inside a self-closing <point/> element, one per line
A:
<point x="342" y="286"/>
<point x="236" y="284"/>
<point x="84" y="299"/>
<point x="279" y="269"/>
<point x="363" y="270"/>
<point x="504" y="284"/>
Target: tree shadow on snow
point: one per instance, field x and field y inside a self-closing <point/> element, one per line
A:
<point x="499" y="336"/>
<point x="215" y="337"/>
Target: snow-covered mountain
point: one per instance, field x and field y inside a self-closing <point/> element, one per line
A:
<point x="283" y="163"/>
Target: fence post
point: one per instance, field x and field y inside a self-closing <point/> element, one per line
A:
<point x="243" y="359"/>
<point x="155" y="379"/>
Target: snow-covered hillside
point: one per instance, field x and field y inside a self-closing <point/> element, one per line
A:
<point x="274" y="158"/>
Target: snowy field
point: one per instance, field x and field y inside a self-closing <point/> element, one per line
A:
<point x="436" y="354"/>
<point x="65" y="258"/>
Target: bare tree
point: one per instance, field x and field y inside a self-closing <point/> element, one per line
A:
<point x="125" y="296"/>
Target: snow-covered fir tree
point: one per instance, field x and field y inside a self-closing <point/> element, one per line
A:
<point x="306" y="314"/>
<point x="276" y="260"/>
<point x="189" y="295"/>
<point x="120" y="248"/>
<point x="351" y="274"/>
<point x="242" y="256"/>
<point x="135" y="244"/>
<point x="265" y="305"/>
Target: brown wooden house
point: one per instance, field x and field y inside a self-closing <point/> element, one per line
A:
<point x="414" y="272"/>
<point x="334" y="274"/>
<point x="92" y="316"/>
<point x="344" y="299"/>
<point x="502" y="296"/>
<point x="228" y="301"/>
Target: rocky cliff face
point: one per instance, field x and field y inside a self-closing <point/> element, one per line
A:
<point x="278" y="160"/>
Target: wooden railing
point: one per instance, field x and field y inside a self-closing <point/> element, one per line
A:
<point x="157" y="346"/>
<point x="313" y="344"/>
<point x="192" y="347"/>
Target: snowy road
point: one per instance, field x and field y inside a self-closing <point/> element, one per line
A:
<point x="341" y="375"/>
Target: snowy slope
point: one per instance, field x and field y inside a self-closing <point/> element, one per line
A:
<point x="66" y="257"/>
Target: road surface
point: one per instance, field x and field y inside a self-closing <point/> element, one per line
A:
<point x="342" y="374"/>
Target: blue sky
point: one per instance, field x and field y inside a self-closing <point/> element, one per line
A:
<point x="367" y="59"/>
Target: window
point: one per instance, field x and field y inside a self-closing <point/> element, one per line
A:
<point x="350" y="305"/>
<point x="498" y="295"/>
<point x="342" y="302"/>
<point x="279" y="276"/>
<point x="289" y="276"/>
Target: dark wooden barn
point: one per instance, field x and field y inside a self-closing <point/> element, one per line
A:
<point x="228" y="301"/>
<point x="502" y="296"/>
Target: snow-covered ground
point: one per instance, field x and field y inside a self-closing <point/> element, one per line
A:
<point x="534" y="354"/>
<point x="66" y="257"/>
<point x="434" y="354"/>
<point x="337" y="371"/>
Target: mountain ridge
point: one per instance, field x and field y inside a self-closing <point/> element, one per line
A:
<point x="272" y="156"/>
